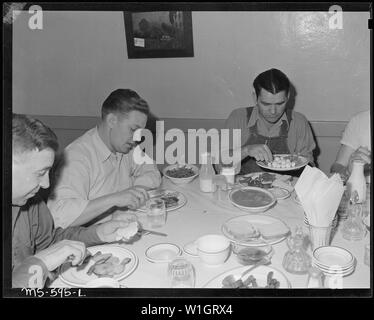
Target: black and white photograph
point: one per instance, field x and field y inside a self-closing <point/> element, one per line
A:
<point x="174" y="150"/>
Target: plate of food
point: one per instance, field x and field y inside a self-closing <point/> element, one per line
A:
<point x="252" y="199"/>
<point x="263" y="277"/>
<point x="109" y="260"/>
<point x="181" y="174"/>
<point x="258" y="179"/>
<point x="246" y="230"/>
<point x="284" y="162"/>
<point x="173" y="199"/>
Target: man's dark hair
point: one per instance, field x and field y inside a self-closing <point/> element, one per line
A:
<point x="273" y="81"/>
<point x="29" y="134"/>
<point x="124" y="101"/>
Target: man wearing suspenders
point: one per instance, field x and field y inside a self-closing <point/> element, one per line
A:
<point x="270" y="127"/>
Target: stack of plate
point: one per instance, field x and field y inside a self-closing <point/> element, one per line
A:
<point x="333" y="261"/>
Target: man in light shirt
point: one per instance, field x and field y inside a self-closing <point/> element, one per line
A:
<point x="355" y="144"/>
<point x="99" y="173"/>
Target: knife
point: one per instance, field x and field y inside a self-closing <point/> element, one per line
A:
<point x="144" y="231"/>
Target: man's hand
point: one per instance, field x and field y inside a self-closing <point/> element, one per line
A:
<point x="362" y="153"/>
<point x="133" y="198"/>
<point x="260" y="152"/>
<point x="58" y="253"/>
<point x="116" y="230"/>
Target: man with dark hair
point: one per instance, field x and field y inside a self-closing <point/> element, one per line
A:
<point x="269" y="127"/>
<point x="100" y="172"/>
<point x="37" y="247"/>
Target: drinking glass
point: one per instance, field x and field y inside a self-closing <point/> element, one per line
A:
<point x="156" y="213"/>
<point x="319" y="236"/>
<point x="181" y="274"/>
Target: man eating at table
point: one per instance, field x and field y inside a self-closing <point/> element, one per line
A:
<point x="355" y="145"/>
<point x="37" y="246"/>
<point x="99" y="173"/>
<point x="270" y="127"/>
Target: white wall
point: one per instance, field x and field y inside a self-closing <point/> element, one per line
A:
<point x="70" y="66"/>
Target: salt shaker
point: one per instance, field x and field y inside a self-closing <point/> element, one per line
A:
<point x="315" y="278"/>
<point x="229" y="174"/>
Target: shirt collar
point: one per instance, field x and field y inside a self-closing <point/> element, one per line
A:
<point x="255" y="116"/>
<point x="101" y="149"/>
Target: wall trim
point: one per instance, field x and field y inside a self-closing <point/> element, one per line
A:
<point x="320" y="128"/>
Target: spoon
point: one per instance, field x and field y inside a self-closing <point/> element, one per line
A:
<point x="230" y="279"/>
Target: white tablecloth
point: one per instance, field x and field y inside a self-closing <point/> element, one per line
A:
<point x="204" y="214"/>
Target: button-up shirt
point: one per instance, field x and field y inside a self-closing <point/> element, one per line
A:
<point x="90" y="170"/>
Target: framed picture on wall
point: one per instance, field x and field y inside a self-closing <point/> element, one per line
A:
<point x="158" y="34"/>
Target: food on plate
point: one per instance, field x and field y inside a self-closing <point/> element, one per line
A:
<point x="242" y="230"/>
<point x="170" y="199"/>
<point x="106" y="265"/>
<point x="251" y="282"/>
<point x="282" y="184"/>
<point x="281" y="162"/>
<point x="279" y="192"/>
<point x="251" y="198"/>
<point x="263" y="180"/>
<point x="127" y="232"/>
<point x="180" y="172"/>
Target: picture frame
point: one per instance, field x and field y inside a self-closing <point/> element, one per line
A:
<point x="158" y="34"/>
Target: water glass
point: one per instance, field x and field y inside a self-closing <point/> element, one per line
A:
<point x="181" y="274"/>
<point x="319" y="236"/>
<point x="156" y="213"/>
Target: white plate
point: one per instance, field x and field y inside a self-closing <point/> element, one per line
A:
<point x="74" y="278"/>
<point x="300" y="163"/>
<point x="260" y="273"/>
<point x="248" y="194"/>
<point x="273" y="230"/>
<point x="162" y="252"/>
<point x="182" y="200"/>
<point x="332" y="256"/>
<point x="280" y="193"/>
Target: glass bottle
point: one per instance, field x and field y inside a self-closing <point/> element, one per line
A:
<point x="296" y="260"/>
<point x="315" y="278"/>
<point x="206" y="174"/>
<point x="354" y="228"/>
<point x="357" y="181"/>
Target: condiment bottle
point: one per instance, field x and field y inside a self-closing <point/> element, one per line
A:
<point x="315" y="278"/>
<point x="357" y="181"/>
<point x="206" y="174"/>
<point x="229" y="174"/>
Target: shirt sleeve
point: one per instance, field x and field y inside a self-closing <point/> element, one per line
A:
<point x="351" y="134"/>
<point x="69" y="197"/>
<point x="238" y="120"/>
<point x="31" y="273"/>
<point x="144" y="170"/>
<point x="301" y="138"/>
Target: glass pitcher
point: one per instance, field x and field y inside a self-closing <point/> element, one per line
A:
<point x="296" y="260"/>
<point x="353" y="228"/>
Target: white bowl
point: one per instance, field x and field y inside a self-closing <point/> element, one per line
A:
<point x="181" y="180"/>
<point x="213" y="249"/>
<point x="253" y="209"/>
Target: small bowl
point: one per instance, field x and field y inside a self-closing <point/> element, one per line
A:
<point x="104" y="282"/>
<point x="247" y="255"/>
<point x="213" y="249"/>
<point x="252" y="209"/>
<point x="181" y="180"/>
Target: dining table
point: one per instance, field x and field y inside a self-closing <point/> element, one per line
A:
<point x="205" y="213"/>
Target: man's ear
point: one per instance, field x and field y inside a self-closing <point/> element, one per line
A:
<point x="254" y="96"/>
<point x="111" y="120"/>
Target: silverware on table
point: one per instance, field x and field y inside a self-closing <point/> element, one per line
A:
<point x="144" y="231"/>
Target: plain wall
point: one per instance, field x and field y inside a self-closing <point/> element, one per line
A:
<point x="70" y="66"/>
<point x="63" y="73"/>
